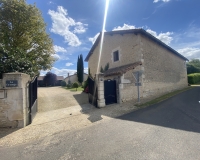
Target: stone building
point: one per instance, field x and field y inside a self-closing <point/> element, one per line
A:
<point x="134" y="52"/>
<point x="73" y="78"/>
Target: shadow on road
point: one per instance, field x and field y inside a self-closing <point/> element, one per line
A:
<point x="6" y="131"/>
<point x="81" y="98"/>
<point x="179" y="112"/>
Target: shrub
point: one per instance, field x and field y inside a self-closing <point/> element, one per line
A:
<point x="68" y="85"/>
<point x="86" y="90"/>
<point x="75" y="85"/>
<point x="63" y="83"/>
<point x="194" y="78"/>
<point x="85" y="84"/>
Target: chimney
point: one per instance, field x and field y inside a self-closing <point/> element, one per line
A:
<point x="68" y="74"/>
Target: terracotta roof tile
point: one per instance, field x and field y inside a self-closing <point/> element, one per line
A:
<point x="122" y="69"/>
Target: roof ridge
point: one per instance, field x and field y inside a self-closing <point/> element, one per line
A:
<point x="139" y="30"/>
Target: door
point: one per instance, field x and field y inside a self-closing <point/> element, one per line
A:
<point x="110" y="91"/>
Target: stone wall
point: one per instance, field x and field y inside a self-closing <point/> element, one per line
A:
<point x="128" y="46"/>
<point x="14" y="101"/>
<point x="163" y="70"/>
<point x="74" y="78"/>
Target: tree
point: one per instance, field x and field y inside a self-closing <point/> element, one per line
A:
<point x="63" y="84"/>
<point x="193" y="66"/>
<point x="24" y="44"/>
<point x="80" y="69"/>
<point x="50" y="79"/>
<point x="106" y="67"/>
<point x="101" y="70"/>
<point x="195" y="63"/>
<point x="75" y="85"/>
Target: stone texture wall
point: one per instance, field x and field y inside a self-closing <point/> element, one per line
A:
<point x="74" y="78"/>
<point x="129" y="90"/>
<point x="163" y="70"/>
<point x="128" y="46"/>
<point x="14" y="103"/>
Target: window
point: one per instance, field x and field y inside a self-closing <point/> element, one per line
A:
<point x="116" y="56"/>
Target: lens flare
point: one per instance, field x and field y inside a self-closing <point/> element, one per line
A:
<point x="101" y="44"/>
<point x="102" y="34"/>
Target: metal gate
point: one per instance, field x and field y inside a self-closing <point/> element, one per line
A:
<point x="32" y="99"/>
<point x="110" y="91"/>
<point x="92" y="95"/>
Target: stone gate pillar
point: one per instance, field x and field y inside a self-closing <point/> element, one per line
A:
<point x="100" y="83"/>
<point x="14" y="100"/>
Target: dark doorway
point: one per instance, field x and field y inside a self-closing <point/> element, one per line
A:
<point x="92" y="95"/>
<point x="110" y="91"/>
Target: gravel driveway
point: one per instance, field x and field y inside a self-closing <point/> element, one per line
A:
<point x="51" y="98"/>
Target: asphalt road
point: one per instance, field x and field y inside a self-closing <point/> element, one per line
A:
<point x="168" y="130"/>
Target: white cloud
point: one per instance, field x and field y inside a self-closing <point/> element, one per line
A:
<point x="190" y="53"/>
<point x="62" y="23"/>
<point x="93" y="39"/>
<point x="59" y="49"/>
<point x="50" y="2"/>
<point x="59" y="72"/>
<point x="155" y="1"/>
<point x="165" y="37"/>
<point x="56" y="56"/>
<point x="124" y="27"/>
<point x="80" y="28"/>
<point x="86" y="70"/>
<point x="62" y="72"/>
<point x="69" y="64"/>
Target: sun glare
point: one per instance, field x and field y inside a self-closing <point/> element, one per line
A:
<point x="102" y="34"/>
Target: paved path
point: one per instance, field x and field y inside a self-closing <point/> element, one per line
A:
<point x="51" y="98"/>
<point x="168" y="130"/>
<point x="61" y="120"/>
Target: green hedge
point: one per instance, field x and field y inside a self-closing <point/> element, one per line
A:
<point x="194" y="78"/>
<point x="63" y="84"/>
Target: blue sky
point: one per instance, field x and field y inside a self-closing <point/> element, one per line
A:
<point x="74" y="24"/>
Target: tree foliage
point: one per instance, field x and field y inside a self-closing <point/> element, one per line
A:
<point x="101" y="70"/>
<point x="75" y="85"/>
<point x="193" y="66"/>
<point x="24" y="44"/>
<point x="80" y="68"/>
<point x="105" y="68"/>
<point x="78" y="64"/>
<point x="50" y="79"/>
<point x="63" y="84"/>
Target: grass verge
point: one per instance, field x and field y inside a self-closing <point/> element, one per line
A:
<point x="74" y="89"/>
<point x="162" y="98"/>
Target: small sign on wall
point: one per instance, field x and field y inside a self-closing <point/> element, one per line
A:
<point x="11" y="83"/>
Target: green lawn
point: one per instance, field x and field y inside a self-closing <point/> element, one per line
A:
<point x="74" y="89"/>
<point x="164" y="97"/>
